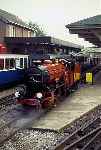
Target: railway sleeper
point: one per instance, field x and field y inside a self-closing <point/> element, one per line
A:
<point x="80" y="143"/>
<point x="95" y="141"/>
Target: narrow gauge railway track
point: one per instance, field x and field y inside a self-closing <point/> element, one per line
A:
<point x="29" y="138"/>
<point x="6" y="101"/>
<point x="95" y="142"/>
<point x="7" y="104"/>
<point x="77" y="139"/>
<point x="6" y="131"/>
<point x="6" y="124"/>
<point x="86" y="142"/>
<point x="15" y="120"/>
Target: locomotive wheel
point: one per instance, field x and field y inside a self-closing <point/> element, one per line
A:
<point x="45" y="104"/>
<point x="49" y="103"/>
<point x="67" y="92"/>
<point x="76" y="86"/>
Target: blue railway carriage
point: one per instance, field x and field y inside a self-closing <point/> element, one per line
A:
<point x="12" y="68"/>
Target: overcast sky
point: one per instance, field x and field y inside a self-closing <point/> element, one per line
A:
<point x="53" y="15"/>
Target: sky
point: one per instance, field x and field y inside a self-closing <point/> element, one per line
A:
<point x="53" y="15"/>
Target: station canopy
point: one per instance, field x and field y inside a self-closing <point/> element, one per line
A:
<point x="89" y="29"/>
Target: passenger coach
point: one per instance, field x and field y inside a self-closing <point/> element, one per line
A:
<point x="12" y="68"/>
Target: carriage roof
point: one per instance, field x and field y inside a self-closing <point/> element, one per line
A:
<point x="13" y="56"/>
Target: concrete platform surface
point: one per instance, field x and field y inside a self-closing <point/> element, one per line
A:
<point x="81" y="101"/>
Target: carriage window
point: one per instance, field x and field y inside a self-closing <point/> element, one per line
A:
<point x="1" y="64"/>
<point x="7" y="63"/>
<point x="25" y="63"/>
<point x="12" y="63"/>
<point x="17" y="62"/>
<point x="21" y="62"/>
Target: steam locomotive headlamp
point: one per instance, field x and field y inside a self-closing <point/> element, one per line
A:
<point x="39" y="95"/>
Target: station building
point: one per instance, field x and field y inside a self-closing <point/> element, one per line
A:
<point x="12" y="26"/>
<point x="18" y="38"/>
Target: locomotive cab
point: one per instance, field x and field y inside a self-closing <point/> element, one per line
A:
<point x="38" y="74"/>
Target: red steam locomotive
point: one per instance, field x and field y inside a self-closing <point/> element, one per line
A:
<point x="46" y="80"/>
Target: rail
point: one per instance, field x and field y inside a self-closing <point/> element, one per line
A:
<point x="82" y="131"/>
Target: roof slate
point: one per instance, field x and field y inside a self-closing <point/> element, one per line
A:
<point x="12" y="19"/>
<point x="95" y="20"/>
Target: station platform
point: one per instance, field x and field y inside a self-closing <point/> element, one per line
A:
<point x="78" y="103"/>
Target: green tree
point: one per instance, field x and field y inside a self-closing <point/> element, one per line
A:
<point x="38" y="31"/>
